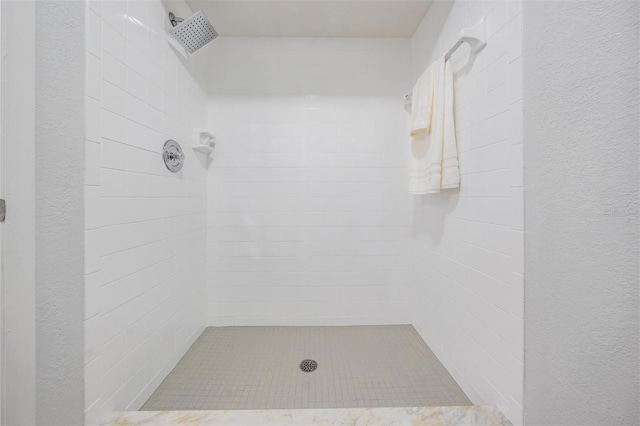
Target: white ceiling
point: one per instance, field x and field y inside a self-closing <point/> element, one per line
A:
<point x="313" y="18"/>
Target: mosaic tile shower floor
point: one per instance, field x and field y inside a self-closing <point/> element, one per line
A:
<point x="231" y="368"/>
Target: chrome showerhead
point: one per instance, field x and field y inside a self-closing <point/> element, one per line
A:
<point x="193" y="32"/>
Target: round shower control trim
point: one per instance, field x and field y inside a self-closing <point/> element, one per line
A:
<point x="173" y="156"/>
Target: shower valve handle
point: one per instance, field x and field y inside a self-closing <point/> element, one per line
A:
<point x="174" y="155"/>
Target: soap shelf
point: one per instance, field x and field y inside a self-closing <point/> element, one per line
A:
<point x="202" y="141"/>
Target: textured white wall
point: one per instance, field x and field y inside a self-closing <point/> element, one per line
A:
<point x="18" y="233"/>
<point x="467" y="286"/>
<point x="145" y="227"/>
<point x="59" y="165"/>
<point x="309" y="213"/>
<point x="582" y="198"/>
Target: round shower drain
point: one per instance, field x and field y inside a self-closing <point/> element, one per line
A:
<point x="308" y="365"/>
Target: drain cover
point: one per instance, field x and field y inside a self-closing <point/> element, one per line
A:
<point x="308" y="365"/>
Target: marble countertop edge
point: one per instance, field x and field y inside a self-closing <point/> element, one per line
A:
<point x="383" y="416"/>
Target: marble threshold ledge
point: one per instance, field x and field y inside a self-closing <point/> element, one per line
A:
<point x="436" y="416"/>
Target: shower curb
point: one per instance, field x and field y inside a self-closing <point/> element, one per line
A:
<point x="441" y="416"/>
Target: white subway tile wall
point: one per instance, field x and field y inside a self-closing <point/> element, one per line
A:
<point x="309" y="215"/>
<point x="145" y="227"/>
<point x="467" y="286"/>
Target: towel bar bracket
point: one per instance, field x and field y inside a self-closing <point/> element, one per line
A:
<point x="475" y="36"/>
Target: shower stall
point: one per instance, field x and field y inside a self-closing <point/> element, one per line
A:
<point x="298" y="224"/>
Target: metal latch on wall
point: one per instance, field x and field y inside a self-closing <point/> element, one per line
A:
<point x="3" y="209"/>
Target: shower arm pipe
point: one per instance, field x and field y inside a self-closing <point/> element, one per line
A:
<point x="174" y="19"/>
<point x="476" y="37"/>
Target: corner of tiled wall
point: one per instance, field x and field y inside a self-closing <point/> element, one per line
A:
<point x="145" y="234"/>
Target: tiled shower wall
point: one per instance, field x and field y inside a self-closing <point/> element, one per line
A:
<point x="145" y="227"/>
<point x="309" y="215"/>
<point x="467" y="285"/>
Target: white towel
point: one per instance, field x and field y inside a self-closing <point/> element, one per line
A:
<point x="450" y="168"/>
<point x="422" y="103"/>
<point x="422" y="109"/>
<point x="434" y="159"/>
